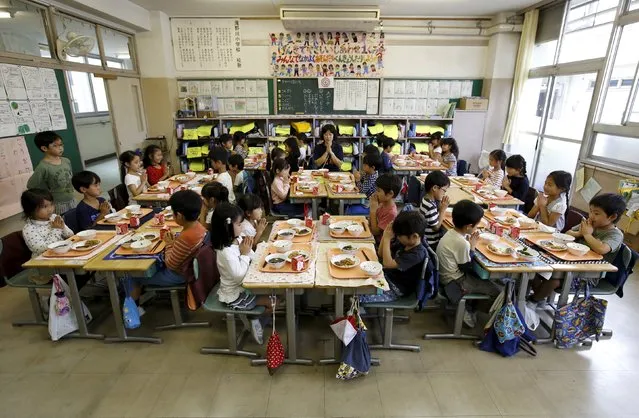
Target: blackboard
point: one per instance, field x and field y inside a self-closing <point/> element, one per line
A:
<point x="302" y="96"/>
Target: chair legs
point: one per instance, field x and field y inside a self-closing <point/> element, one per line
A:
<point x="457" y="329"/>
<point x="235" y="341"/>
<point x="177" y="316"/>
<point x="387" y="335"/>
<point x="38" y="314"/>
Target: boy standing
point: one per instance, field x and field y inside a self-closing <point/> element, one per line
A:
<point x="383" y="208"/>
<point x="219" y="158"/>
<point x="456" y="252"/>
<point x="54" y="172"/>
<point x="434" y="205"/>
<point x="92" y="208"/>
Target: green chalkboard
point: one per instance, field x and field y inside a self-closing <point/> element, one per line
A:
<point x="302" y="96"/>
<point x="71" y="150"/>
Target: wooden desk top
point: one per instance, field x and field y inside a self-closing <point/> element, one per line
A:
<point x="306" y="195"/>
<point x="99" y="264"/>
<point x="148" y="226"/>
<point x="345" y="196"/>
<point x="457" y="194"/>
<point x="55" y="263"/>
<point x="323" y="277"/>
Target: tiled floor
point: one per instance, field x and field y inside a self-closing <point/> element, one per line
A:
<point x="73" y="378"/>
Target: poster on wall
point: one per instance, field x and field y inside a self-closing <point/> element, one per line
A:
<point x="327" y="54"/>
<point x="15" y="170"/>
<point x="206" y="44"/>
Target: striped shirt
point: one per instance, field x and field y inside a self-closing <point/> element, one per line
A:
<point x="495" y="177"/>
<point x="450" y="158"/>
<point x="181" y="252"/>
<point x="430" y="209"/>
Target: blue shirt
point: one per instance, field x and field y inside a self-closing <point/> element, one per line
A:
<point x="387" y="164"/>
<point x="86" y="215"/>
<point x="321" y="149"/>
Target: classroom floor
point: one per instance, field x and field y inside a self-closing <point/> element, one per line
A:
<point x="74" y="378"/>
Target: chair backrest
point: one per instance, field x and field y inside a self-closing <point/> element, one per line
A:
<point x="267" y="177"/>
<point x="574" y="217"/>
<point x="119" y="197"/>
<point x="428" y="286"/>
<point x="414" y="194"/>
<point x="71" y="220"/>
<point x="13" y="254"/>
<point x="462" y="167"/>
<point x="625" y="261"/>
<point x="529" y="200"/>
<point x="201" y="276"/>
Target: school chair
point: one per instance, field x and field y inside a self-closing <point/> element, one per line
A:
<point x="573" y="217"/>
<point x="13" y="253"/>
<point x="119" y="197"/>
<point x="71" y="220"/>
<point x="235" y="341"/>
<point x="529" y="199"/>
<point x="462" y="167"/>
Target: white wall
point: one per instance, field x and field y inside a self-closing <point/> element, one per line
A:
<point x="95" y="137"/>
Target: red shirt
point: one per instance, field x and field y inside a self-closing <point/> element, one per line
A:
<point x="155" y="174"/>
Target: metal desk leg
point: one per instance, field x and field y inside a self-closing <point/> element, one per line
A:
<point x="523" y="290"/>
<point x="76" y="304"/>
<point x="314" y="207"/>
<point x="565" y="290"/>
<point x="117" y="317"/>
<point x="341" y="207"/>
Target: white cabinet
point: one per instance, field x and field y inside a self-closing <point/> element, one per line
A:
<point x="468" y="131"/>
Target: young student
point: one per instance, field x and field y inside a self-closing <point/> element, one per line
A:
<point x="180" y="250"/>
<point x="212" y="194"/>
<point x="372" y="149"/>
<point x="495" y="174"/>
<point x="239" y="144"/>
<point x="516" y="181"/>
<point x="275" y="154"/>
<point x="304" y="146"/>
<point x="450" y="153"/>
<point x="383" y="210"/>
<point x="387" y="145"/>
<point x="402" y="255"/>
<point x="434" y="205"/>
<point x="281" y="187"/>
<point x="226" y="141"/>
<point x="241" y="179"/>
<point x="434" y="146"/>
<point x="155" y="165"/>
<point x="599" y="232"/>
<point x="219" y="158"/>
<point x="328" y="154"/>
<point x="551" y="205"/>
<point x="42" y="226"/>
<point x="455" y="253"/>
<point x="92" y="208"/>
<point x="254" y="223"/>
<point x="135" y="179"/>
<point x="292" y="153"/>
<point x="234" y="255"/>
<point x="53" y="172"/>
<point x="365" y="181"/>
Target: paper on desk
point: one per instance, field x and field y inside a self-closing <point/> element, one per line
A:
<point x="590" y="189"/>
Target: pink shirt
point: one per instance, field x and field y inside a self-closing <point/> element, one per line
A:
<point x="279" y="190"/>
<point x="385" y="215"/>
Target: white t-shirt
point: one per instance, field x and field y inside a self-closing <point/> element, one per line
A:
<point x="248" y="229"/>
<point x="209" y="216"/>
<point x="558" y="205"/>
<point x="233" y="267"/>
<point x="438" y="150"/>
<point x="225" y="180"/>
<point x="134" y="180"/>
<point x="453" y="249"/>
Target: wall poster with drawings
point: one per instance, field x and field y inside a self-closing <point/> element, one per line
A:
<point x="327" y="54"/>
<point x="15" y="170"/>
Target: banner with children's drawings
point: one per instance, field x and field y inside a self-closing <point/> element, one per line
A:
<point x="328" y="54"/>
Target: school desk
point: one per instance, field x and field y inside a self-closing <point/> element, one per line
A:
<point x="159" y="199"/>
<point x="345" y="198"/>
<point x="305" y="197"/>
<point x="324" y="233"/>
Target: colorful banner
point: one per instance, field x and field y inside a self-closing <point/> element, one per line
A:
<point x="327" y="54"/>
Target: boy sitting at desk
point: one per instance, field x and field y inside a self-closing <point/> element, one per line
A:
<point x="383" y="209"/>
<point x="402" y="254"/>
<point x="599" y="232"/>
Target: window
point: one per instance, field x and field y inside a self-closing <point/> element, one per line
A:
<point x="117" y="49"/>
<point x="588" y="28"/>
<point x="547" y="36"/>
<point x="24" y="31"/>
<point x="569" y="106"/>
<point x="618" y="148"/>
<point x="77" y="39"/>
<point x="88" y="94"/>
<point x="555" y="155"/>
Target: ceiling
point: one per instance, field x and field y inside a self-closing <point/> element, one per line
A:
<point x="389" y="8"/>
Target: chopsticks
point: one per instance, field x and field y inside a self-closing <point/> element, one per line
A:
<point x="155" y="247"/>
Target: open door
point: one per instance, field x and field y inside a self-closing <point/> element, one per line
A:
<point x="127" y="110"/>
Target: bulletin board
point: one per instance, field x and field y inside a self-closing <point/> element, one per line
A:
<point x="230" y="96"/>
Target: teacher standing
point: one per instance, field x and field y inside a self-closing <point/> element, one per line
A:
<point x="328" y="154"/>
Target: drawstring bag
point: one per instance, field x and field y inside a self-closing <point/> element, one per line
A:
<point x="61" y="305"/>
<point x="507" y="324"/>
<point x="62" y="319"/>
<point x="274" y="348"/>
<point x="345" y="328"/>
<point x="580" y="319"/>
<point x="130" y="312"/>
<point x="356" y="356"/>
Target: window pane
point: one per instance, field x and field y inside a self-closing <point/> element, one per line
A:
<point x="634" y="5"/>
<point x="623" y="69"/>
<point x="23" y="32"/>
<point x="555" y="155"/>
<point x="525" y="145"/>
<point x="100" y="94"/>
<point x="76" y="38"/>
<point x="585" y="44"/>
<point x="117" y="49"/>
<point x="570" y="105"/>
<point x="80" y="92"/>
<point x="531" y="105"/>
<point x="94" y="61"/>
<point x="543" y="54"/>
<point x="616" y="147"/>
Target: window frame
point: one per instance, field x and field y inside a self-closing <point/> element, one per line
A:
<point x="96" y="112"/>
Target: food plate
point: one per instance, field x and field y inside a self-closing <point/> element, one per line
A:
<point x="372" y="268"/>
<point x="345" y="261"/>
<point x="552" y="246"/>
<point x="302" y="231"/>
<point x="149" y="235"/>
<point x="86" y="245"/>
<point x="347" y="247"/>
<point x="507" y="220"/>
<point x="527" y="253"/>
<point x="500" y="249"/>
<point x="294" y="253"/>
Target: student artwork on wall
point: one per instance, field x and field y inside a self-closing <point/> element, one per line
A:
<point x="327" y="54"/>
<point x="15" y="170"/>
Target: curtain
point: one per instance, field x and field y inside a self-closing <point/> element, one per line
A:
<point x="526" y="46"/>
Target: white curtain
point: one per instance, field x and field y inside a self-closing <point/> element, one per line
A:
<point x="526" y="46"/>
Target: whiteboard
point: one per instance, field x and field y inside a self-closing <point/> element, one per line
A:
<point x="206" y="44"/>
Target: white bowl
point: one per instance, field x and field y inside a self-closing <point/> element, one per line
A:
<point x="287" y="234"/>
<point x="487" y="237"/>
<point x="470" y="175"/>
<point x="527" y="222"/>
<point x="133" y="208"/>
<point x="355" y="230"/>
<point x="283" y="245"/>
<point x="295" y="222"/>
<point x="60" y="247"/>
<point x="163" y="183"/>
<point x="497" y="211"/>
<point x="565" y="238"/>
<point x="340" y="257"/>
<point x="141" y="245"/>
<point x="113" y="217"/>
<point x="531" y="255"/>
<point x="147" y="235"/>
<point x="577" y="249"/>
<point x="338" y="229"/>
<point x="277" y="265"/>
<point x="182" y="179"/>
<point x="88" y="234"/>
<point x="372" y="268"/>
<point x="191" y="174"/>
<point x="126" y="241"/>
<point x="347" y="247"/>
<point x="500" y="193"/>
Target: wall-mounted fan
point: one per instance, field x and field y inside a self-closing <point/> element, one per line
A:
<point x="74" y="45"/>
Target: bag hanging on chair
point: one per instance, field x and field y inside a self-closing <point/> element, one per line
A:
<point x="130" y="313"/>
<point x="580" y="319"/>
<point x="62" y="320"/>
<point x="345" y="328"/>
<point x="274" y="349"/>
<point x="356" y="357"/>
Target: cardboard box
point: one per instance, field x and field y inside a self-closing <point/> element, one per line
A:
<point x="473" y="103"/>
<point x="628" y="225"/>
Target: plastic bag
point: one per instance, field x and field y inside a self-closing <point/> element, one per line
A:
<point x="62" y="320"/>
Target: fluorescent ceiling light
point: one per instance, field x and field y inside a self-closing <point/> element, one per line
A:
<point x="5" y="15"/>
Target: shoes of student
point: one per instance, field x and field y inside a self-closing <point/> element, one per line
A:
<point x="469" y="319"/>
<point x="257" y="331"/>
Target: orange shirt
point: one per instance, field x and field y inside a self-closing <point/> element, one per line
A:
<point x="181" y="252"/>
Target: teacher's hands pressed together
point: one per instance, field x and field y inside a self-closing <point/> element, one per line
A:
<point x="328" y="154"/>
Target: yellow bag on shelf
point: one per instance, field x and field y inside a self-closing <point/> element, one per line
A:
<point x="247" y="127"/>
<point x="346" y="166"/>
<point x="194" y="152"/>
<point x="397" y="149"/>
<point x="189" y="135"/>
<point x="378" y="128"/>
<point x="204" y="130"/>
<point x="255" y="150"/>
<point x="347" y="148"/>
<point x="196" y="165"/>
<point x="421" y="147"/>
<point x="205" y="149"/>
<point x="301" y="127"/>
<point x="428" y="129"/>
<point x="391" y="131"/>
<point x="282" y="130"/>
<point x="346" y="130"/>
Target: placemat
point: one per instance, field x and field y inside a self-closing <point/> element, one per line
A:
<point x="562" y="255"/>
<point x="367" y="234"/>
<point x="277" y="226"/>
<point x="152" y="250"/>
<point x="482" y="247"/>
<point x="288" y="267"/>
<point x="257" y="277"/>
<point x="85" y="256"/>
<point x="103" y="236"/>
<point x="353" y="272"/>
